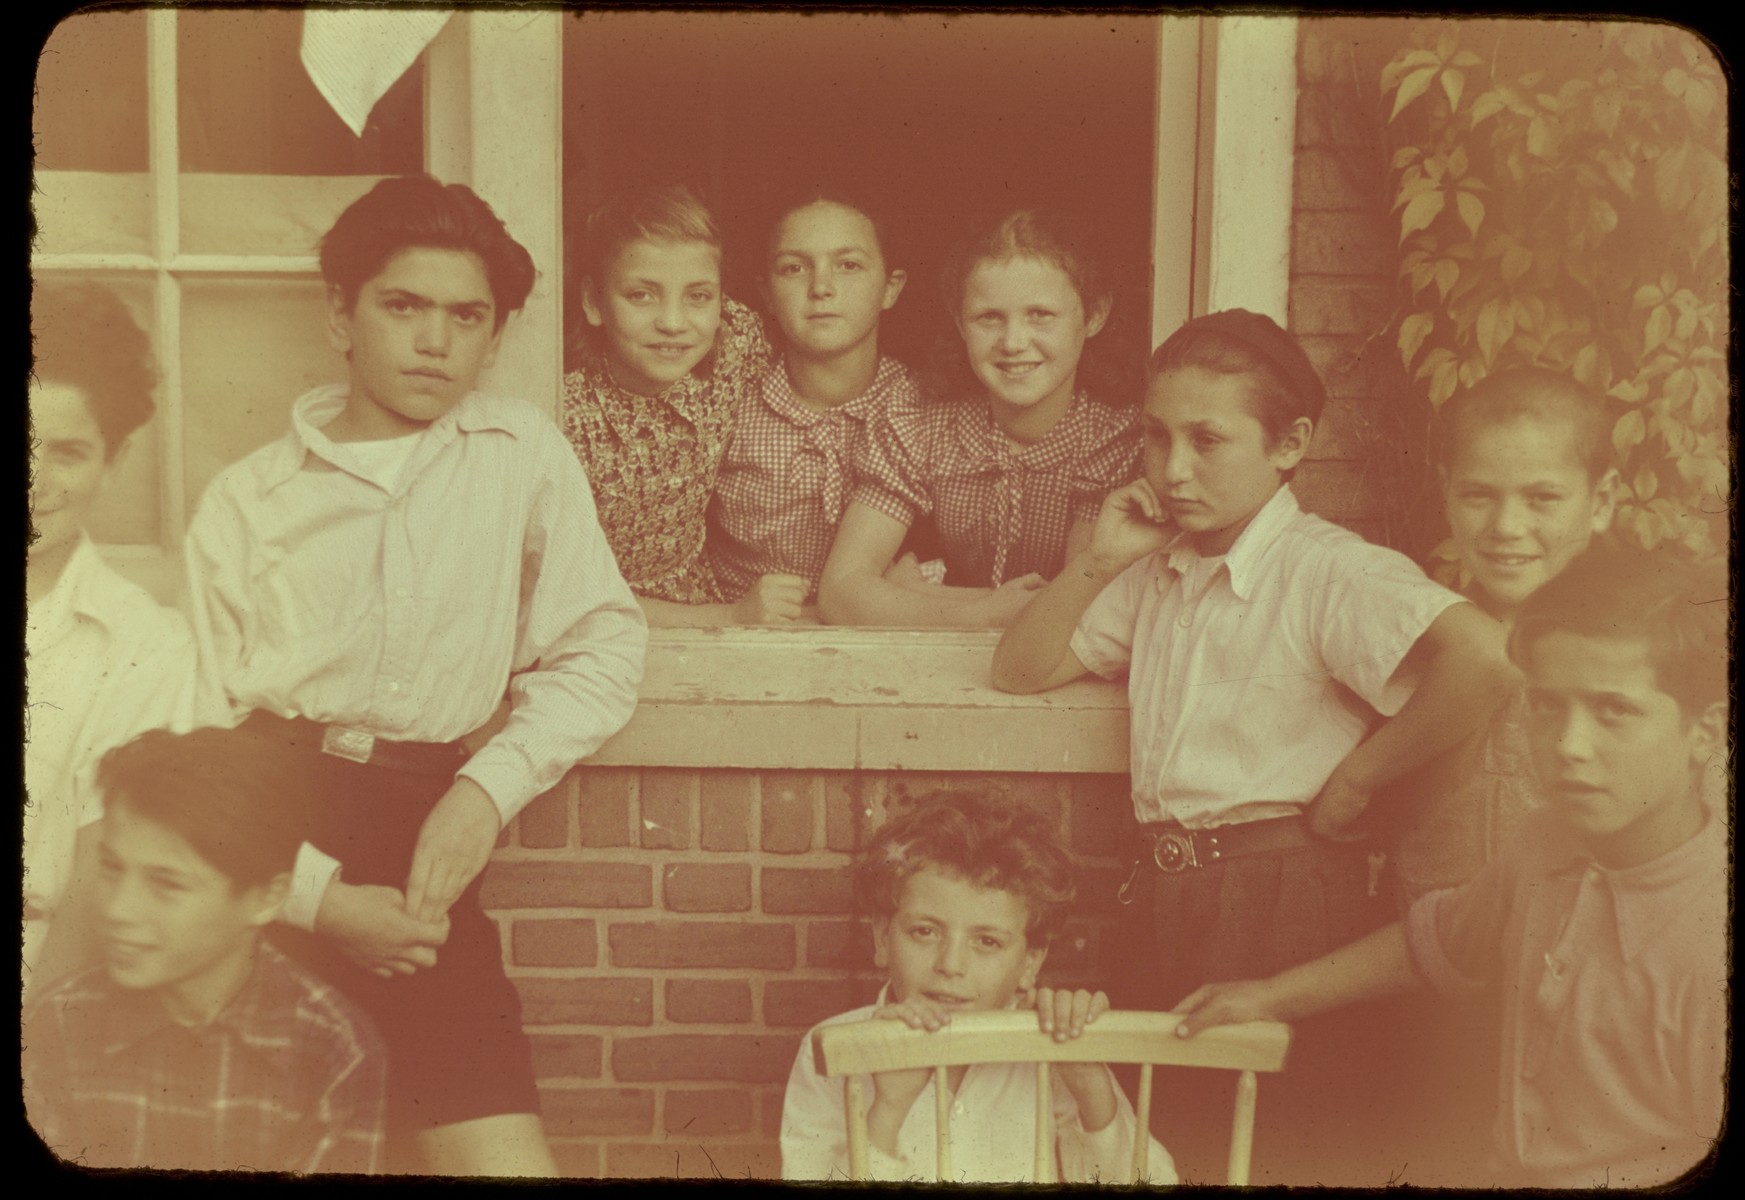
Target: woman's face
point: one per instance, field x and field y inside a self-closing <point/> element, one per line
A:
<point x="659" y="307"/>
<point x="1024" y="327"/>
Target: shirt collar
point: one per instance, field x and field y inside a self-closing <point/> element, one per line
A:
<point x="1242" y="560"/>
<point x="981" y="435"/>
<point x="315" y="408"/>
<point x="1649" y="896"/>
<point x="781" y="399"/>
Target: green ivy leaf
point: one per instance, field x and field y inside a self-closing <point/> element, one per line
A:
<point x="1658" y="328"/>
<point x="1390" y="74"/>
<point x="1646" y="296"/>
<point x="1630" y="431"/>
<point x="1405" y="156"/>
<point x="1539" y="137"/>
<point x="1488" y="104"/>
<point x="1646" y="483"/>
<point x="1413" y="86"/>
<point x="1453" y="83"/>
<point x="1471" y="210"/>
<point x="1413" y="330"/>
<point x="1447" y="275"/>
<point x="1423" y="209"/>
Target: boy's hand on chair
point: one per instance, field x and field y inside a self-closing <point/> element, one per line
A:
<point x="453" y="847"/>
<point x="1131" y="524"/>
<point x="1336" y="809"/>
<point x="372" y="927"/>
<point x="1225" y="1004"/>
<point x="772" y="600"/>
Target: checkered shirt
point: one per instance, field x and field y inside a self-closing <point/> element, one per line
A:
<point x="1002" y="511"/>
<point x="290" y="1076"/>
<point x="786" y="477"/>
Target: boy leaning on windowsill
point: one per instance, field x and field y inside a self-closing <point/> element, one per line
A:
<point x="1606" y="923"/>
<point x="367" y="588"/>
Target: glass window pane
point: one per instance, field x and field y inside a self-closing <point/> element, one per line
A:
<point x="90" y="94"/>
<point x="246" y="105"/>
<point x="129" y="507"/>
<point x="264" y="214"/>
<point x="249" y="348"/>
<point x="92" y="212"/>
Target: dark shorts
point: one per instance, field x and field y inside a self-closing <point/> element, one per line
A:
<point x="1323" y="1119"/>
<point x="455" y="1044"/>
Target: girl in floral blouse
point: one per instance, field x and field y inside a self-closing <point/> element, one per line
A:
<point x="1013" y="477"/>
<point x="649" y="407"/>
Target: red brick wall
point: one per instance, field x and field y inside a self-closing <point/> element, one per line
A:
<point x="1367" y="467"/>
<point x="673" y="935"/>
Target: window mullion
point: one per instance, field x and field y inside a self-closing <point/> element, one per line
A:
<point x="164" y="163"/>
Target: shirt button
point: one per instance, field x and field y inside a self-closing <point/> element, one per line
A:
<point x="393" y="685"/>
<point x="1185" y="620"/>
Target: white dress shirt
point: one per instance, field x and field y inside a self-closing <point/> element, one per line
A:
<point x="106" y="663"/>
<point x="407" y="611"/>
<point x="1250" y="686"/>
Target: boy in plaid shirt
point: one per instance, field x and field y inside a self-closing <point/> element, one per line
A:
<point x="195" y="1044"/>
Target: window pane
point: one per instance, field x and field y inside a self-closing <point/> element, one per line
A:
<point x="247" y="105"/>
<point x="92" y="212"/>
<point x="90" y="94"/>
<point x="129" y="507"/>
<point x="264" y="214"/>
<point x="249" y="348"/>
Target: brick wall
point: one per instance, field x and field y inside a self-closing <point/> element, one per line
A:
<point x="1367" y="468"/>
<point x="673" y="935"/>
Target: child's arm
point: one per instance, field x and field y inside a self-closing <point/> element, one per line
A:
<point x="1466" y="674"/>
<point x="1373" y="966"/>
<point x="854" y="589"/>
<point x="772" y="600"/>
<point x="1035" y="654"/>
<point x="577" y="661"/>
<point x="1065" y="1015"/>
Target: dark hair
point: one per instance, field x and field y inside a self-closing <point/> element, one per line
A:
<point x="1284" y="383"/>
<point x="237" y="796"/>
<point x="83" y="335"/>
<point x="666" y="213"/>
<point x="1043" y="234"/>
<point x="986" y="840"/>
<point x="1063" y="240"/>
<point x="1677" y="609"/>
<point x="413" y="211"/>
<point x="829" y="191"/>
<point x="1535" y="392"/>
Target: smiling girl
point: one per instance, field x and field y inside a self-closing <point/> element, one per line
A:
<point x="665" y="357"/>
<point x="1011" y="477"/>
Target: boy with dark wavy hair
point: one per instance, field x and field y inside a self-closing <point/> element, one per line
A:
<point x="965" y="893"/>
<point x="366" y="589"/>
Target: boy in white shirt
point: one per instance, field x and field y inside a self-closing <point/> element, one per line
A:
<point x="367" y="588"/>
<point x="106" y="661"/>
<point x="1280" y="670"/>
<point x="965" y="893"/>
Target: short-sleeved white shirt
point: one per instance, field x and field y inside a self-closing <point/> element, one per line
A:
<point x="1246" y="695"/>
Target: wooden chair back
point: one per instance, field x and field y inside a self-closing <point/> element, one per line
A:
<point x="1145" y="1038"/>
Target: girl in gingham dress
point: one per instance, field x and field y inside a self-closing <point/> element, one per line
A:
<point x="1011" y="477"/>
<point x="785" y="480"/>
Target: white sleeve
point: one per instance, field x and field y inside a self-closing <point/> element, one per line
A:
<point x="814" y="1137"/>
<point x="580" y="642"/>
<point x="1103" y="640"/>
<point x="216" y="602"/>
<point x="1378" y="605"/>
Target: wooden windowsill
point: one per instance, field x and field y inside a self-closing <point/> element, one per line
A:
<point x="827" y="698"/>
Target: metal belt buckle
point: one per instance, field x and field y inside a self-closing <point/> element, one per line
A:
<point x="1173" y="852"/>
<point x="353" y="744"/>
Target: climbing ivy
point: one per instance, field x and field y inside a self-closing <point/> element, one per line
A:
<point x="1567" y="207"/>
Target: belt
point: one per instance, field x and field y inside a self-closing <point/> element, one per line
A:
<point x="1175" y="848"/>
<point x="360" y="745"/>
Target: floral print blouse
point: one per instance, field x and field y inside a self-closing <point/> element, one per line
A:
<point x="652" y="460"/>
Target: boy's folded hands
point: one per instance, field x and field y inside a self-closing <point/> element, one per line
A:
<point x="453" y="846"/>
<point x="371" y="925"/>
